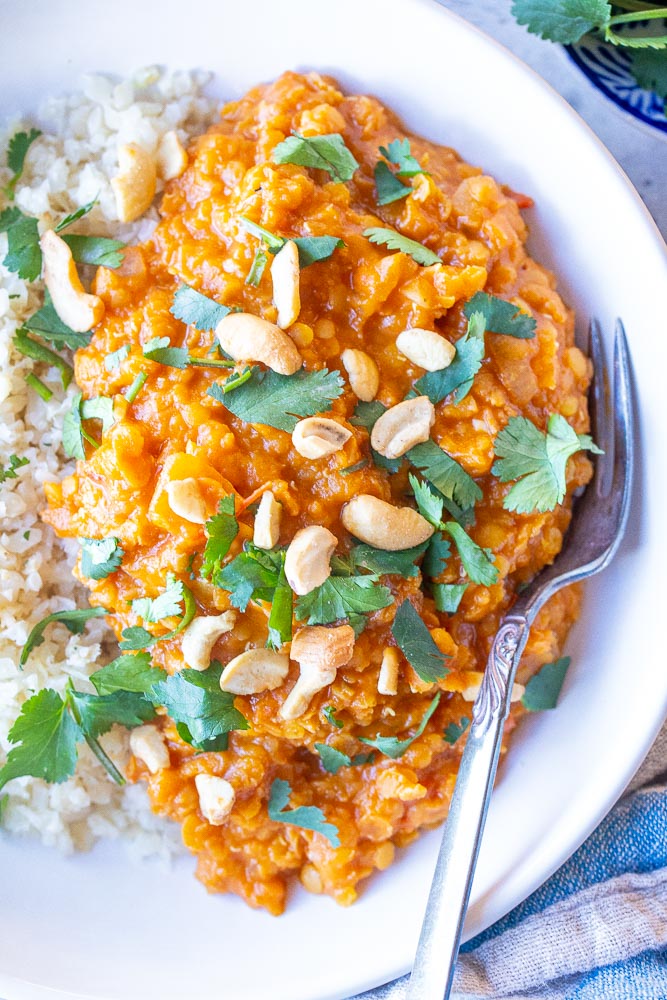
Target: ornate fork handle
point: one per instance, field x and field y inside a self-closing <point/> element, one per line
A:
<point x="450" y="890"/>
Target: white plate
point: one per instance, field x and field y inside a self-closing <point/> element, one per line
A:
<point x="95" y="926"/>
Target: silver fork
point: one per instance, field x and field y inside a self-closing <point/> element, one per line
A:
<point x="597" y="527"/>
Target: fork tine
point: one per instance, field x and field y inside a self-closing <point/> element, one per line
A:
<point x="623" y="427"/>
<point x="601" y="418"/>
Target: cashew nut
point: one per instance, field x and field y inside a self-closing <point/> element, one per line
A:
<point x="315" y="437"/>
<point x="319" y="651"/>
<point x="74" y="307"/>
<point x="216" y="798"/>
<point x="185" y="499"/>
<point x="403" y="426"/>
<point x="134" y="184"/>
<point x="426" y="348"/>
<point x="171" y="157"/>
<point x="381" y="524"/>
<point x="470" y="693"/>
<point x="147" y="743"/>
<point x="255" y="670"/>
<point x="249" y="338"/>
<point x="201" y="636"/>
<point x="267" y="522"/>
<point x="307" y="558"/>
<point x="362" y="372"/>
<point x="285" y="275"/>
<point x="388" y="676"/>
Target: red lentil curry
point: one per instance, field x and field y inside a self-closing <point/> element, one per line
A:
<point x="358" y="296"/>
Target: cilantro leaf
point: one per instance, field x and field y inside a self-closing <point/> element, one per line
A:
<point x="437" y="555"/>
<point x="196" y="309"/>
<point x="47" y="736"/>
<point x="305" y="817"/>
<point x="329" y="714"/>
<point x="398" y="152"/>
<point x="166" y="605"/>
<point x="564" y="21"/>
<point x="392" y="747"/>
<point x="476" y="562"/>
<point x="448" y="477"/>
<point x="47" y="324"/>
<point x="100" y="557"/>
<point x="76" y="215"/>
<point x="273" y="243"/>
<point x="311" y="248"/>
<point x="396" y="241"/>
<point x="382" y="562"/>
<point x="19" y="144"/>
<point x="99" y="408"/>
<point x="159" y="349"/>
<point x="543" y="689"/>
<point x="429" y="504"/>
<point x="501" y="316"/>
<point x="280" y="619"/>
<point x="537" y="460"/>
<point x="96" y="714"/>
<point x="31" y="348"/>
<point x="128" y="672"/>
<point x="194" y="699"/>
<point x="320" y="152"/>
<point x="221" y="530"/>
<point x="252" y="575"/>
<point x="388" y="188"/>
<point x="96" y="250"/>
<point x="24" y="256"/>
<point x="417" y="645"/>
<point x="281" y="400"/>
<point x="259" y="262"/>
<point x="342" y="597"/>
<point x="447" y="596"/>
<point x="649" y="68"/>
<point x="454" y="731"/>
<point x="458" y="377"/>
<point x="136" y="637"/>
<point x="9" y="471"/>
<point x="114" y="360"/>
<point x="72" y="433"/>
<point x="74" y="620"/>
<point x="333" y="760"/>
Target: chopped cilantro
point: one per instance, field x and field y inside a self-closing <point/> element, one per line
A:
<point x="476" y="561"/>
<point x="329" y="714"/>
<point x="159" y="349"/>
<point x="543" y="689"/>
<point x="96" y="250"/>
<point x="501" y="316"/>
<point x="564" y="21"/>
<point x="128" y="672"/>
<point x="273" y="243"/>
<point x="196" y="309"/>
<point x="100" y="557"/>
<point x="31" y="348"/>
<point x="252" y="575"/>
<point x="221" y="530"/>
<point x="166" y="605"/>
<point x="136" y="387"/>
<point x="447" y="596"/>
<point x="75" y="621"/>
<point x="342" y="597"/>
<point x="254" y="275"/>
<point x="311" y="248"/>
<point x="436" y="556"/>
<point x="99" y="408"/>
<point x="333" y="760"/>
<point x="114" y="360"/>
<point x="454" y="731"/>
<point x="382" y="562"/>
<point x="366" y="415"/>
<point x="76" y="215"/>
<point x="445" y="473"/>
<point x="98" y="713"/>
<point x="74" y="433"/>
<point x="458" y="377"/>
<point x="305" y="817"/>
<point x="396" y="241"/>
<point x="47" y="324"/>
<point x="392" y="747"/>
<point x="320" y="152"/>
<point x="281" y="400"/>
<point x="19" y="144"/>
<point x="193" y="698"/>
<point x="280" y="619"/>
<point x="388" y="188"/>
<point x="9" y="471"/>
<point x="398" y="152"/>
<point x="357" y="467"/>
<point x="47" y="736"/>
<point x="24" y="256"/>
<point x="38" y="386"/>
<point x="417" y="645"/>
<point x="537" y="460"/>
<point x="649" y="68"/>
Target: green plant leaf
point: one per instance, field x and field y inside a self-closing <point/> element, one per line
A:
<point x="333" y="760"/>
<point x="194" y="699"/>
<point x="196" y="309"/>
<point x="74" y="620"/>
<point x="476" y="561"/>
<point x="17" y="149"/>
<point x="342" y="597"/>
<point x="501" y="316"/>
<point x="417" y="645"/>
<point x="128" y="672"/>
<point x="221" y="530"/>
<point x="388" y="188"/>
<point x="47" y="736"/>
<point x="564" y="21"/>
<point x="320" y="152"/>
<point x="543" y="689"/>
<point x="454" y="731"/>
<point x="396" y="241"/>
<point x="305" y="817"/>
<point x="392" y="747"/>
<point x="281" y="400"/>
<point x="100" y="557"/>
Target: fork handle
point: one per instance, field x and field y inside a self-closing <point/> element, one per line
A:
<point x="435" y="960"/>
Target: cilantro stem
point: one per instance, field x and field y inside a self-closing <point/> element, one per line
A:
<point x="135" y="388"/>
<point x="233" y="383"/>
<point x="102" y="757"/>
<point x="38" y="386"/>
<point x="89" y="438"/>
<point x="640" y="15"/>
<point x="206" y="363"/>
<point x="638" y="5"/>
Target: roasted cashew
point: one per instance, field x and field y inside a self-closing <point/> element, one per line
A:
<point x="381" y="524"/>
<point x="216" y="798"/>
<point x="201" y="636"/>
<point x="307" y="558"/>
<point x="426" y="348"/>
<point x="403" y="426"/>
<point x="134" y="184"/>
<point x="75" y="307"/>
<point x="285" y="275"/>
<point x="362" y="373"/>
<point x="249" y="338"/>
<point x="319" y="651"/>
<point x="388" y="676"/>
<point x="147" y="743"/>
<point x="266" y="532"/>
<point x="315" y="437"/>
<point x="185" y="499"/>
<point x="171" y="157"/>
<point x="255" y="670"/>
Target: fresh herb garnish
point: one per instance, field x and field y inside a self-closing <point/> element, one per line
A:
<point x="38" y="386"/>
<point x="96" y="250"/>
<point x="259" y="262"/>
<point x="24" y="256"/>
<point x="458" y="377"/>
<point x="454" y="731"/>
<point x="537" y="460"/>
<point x="114" y="360"/>
<point x="128" y="672"/>
<point x="382" y="562"/>
<point x="9" y="471"/>
<point x="221" y="530"/>
<point x="329" y="714"/>
<point x="76" y="215"/>
<point x="31" y="348"/>
<point x="47" y="324"/>
<point x="196" y="309"/>
<point x="333" y="760"/>
<point x="447" y="596"/>
<point x="74" y="620"/>
<point x="501" y="316"/>
<point x="445" y="473"/>
<point x="280" y="619"/>
<point x="19" y="144"/>
<point x="305" y="817"/>
<point x="252" y="575"/>
<point x="417" y="645"/>
<point x="159" y="349"/>
<point x="136" y="387"/>
<point x="396" y="241"/>
<point x="436" y="556"/>
<point x="321" y="152"/>
<point x="193" y="699"/>
<point x="366" y="415"/>
<point x="281" y="400"/>
<point x="74" y="433"/>
<point x="166" y="605"/>
<point x="388" y="188"/>
<point x="311" y="248"/>
<point x="392" y="747"/>
<point x="343" y="597"/>
<point x="543" y="689"/>
<point x="100" y="557"/>
<point x="398" y="152"/>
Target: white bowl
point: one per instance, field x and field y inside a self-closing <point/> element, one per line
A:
<point x="95" y="926"/>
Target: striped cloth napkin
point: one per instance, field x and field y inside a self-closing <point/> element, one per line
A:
<point x="597" y="929"/>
